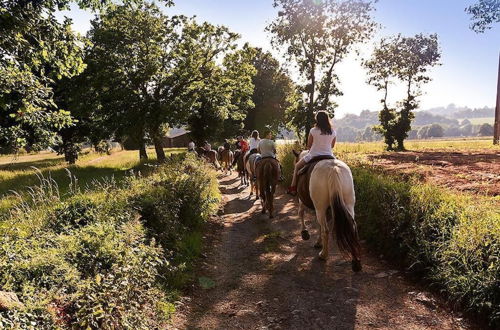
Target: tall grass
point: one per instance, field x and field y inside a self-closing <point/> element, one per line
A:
<point x="107" y="256"/>
<point x="17" y="174"/>
<point x="450" y="239"/>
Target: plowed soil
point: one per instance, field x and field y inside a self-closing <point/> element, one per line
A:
<point x="476" y="172"/>
<point x="259" y="274"/>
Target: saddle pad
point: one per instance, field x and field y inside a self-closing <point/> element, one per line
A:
<point x="303" y="182"/>
<point x="312" y="163"/>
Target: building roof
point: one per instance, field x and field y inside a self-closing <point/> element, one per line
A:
<point x="176" y="132"/>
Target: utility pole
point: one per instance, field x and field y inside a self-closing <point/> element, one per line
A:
<point x="496" y="128"/>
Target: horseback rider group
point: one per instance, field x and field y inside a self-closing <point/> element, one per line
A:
<point x="322" y="182"/>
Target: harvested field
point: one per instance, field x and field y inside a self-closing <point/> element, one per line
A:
<point x="470" y="171"/>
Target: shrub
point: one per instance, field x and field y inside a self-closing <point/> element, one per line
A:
<point x="103" y="259"/>
<point x="450" y="239"/>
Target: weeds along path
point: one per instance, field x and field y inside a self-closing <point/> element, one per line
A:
<point x="259" y="274"/>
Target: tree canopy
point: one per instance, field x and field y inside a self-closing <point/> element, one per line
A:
<point x="317" y="36"/>
<point x="484" y="14"/>
<point x="405" y="60"/>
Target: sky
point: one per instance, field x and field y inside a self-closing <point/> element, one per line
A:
<point x="467" y="76"/>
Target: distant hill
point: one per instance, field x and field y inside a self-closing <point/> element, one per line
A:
<point x="454" y="121"/>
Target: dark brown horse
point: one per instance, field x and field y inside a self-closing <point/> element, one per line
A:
<point x="240" y="167"/>
<point x="210" y="156"/>
<point x="268" y="173"/>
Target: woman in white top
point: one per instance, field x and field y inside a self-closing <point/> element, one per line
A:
<point x="320" y="142"/>
<point x="254" y="142"/>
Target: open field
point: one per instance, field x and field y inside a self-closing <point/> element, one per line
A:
<point x="470" y="165"/>
<point x="16" y="174"/>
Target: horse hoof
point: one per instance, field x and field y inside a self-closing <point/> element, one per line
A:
<point x="322" y="256"/>
<point x="318" y="246"/>
<point x="356" y="266"/>
<point x="305" y="235"/>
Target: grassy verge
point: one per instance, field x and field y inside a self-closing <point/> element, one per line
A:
<point x="110" y="256"/>
<point x="22" y="172"/>
<point x="452" y="240"/>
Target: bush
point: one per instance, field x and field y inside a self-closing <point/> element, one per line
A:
<point x="449" y="239"/>
<point x="94" y="260"/>
<point x="452" y="240"/>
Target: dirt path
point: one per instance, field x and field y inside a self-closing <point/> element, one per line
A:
<point x="266" y="277"/>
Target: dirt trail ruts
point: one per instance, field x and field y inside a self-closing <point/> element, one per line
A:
<point x="266" y="277"/>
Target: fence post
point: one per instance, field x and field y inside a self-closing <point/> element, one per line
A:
<point x="496" y="128"/>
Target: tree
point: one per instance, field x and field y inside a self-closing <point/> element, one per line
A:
<point x="36" y="51"/>
<point x="148" y="69"/>
<point x="318" y="35"/>
<point x="485" y="130"/>
<point x="484" y="14"/>
<point x="406" y="60"/>
<point x="223" y="96"/>
<point x="435" y="130"/>
<point x="274" y="94"/>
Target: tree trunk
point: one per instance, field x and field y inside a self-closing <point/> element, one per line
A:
<point x="160" y="154"/>
<point x="142" y="150"/>
<point x="310" y="107"/>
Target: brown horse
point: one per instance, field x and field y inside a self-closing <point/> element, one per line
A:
<point x="268" y="173"/>
<point x="210" y="156"/>
<point x="226" y="159"/>
<point x="240" y="167"/>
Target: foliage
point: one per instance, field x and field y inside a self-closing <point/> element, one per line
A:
<point x="405" y="59"/>
<point x="94" y="261"/>
<point x="486" y="130"/>
<point x="274" y="95"/>
<point x="450" y="239"/>
<point x="318" y="35"/>
<point x="224" y="94"/>
<point x="484" y="14"/>
<point x="36" y="52"/>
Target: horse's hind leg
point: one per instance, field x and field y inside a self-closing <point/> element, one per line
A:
<point x="324" y="232"/>
<point x="304" y="233"/>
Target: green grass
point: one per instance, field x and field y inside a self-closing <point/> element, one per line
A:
<point x="17" y="174"/>
<point x="112" y="256"/>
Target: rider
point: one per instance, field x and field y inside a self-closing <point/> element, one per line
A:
<point x="320" y="142"/>
<point x="191" y="146"/>
<point x="226" y="145"/>
<point x="267" y="149"/>
<point x="242" y="145"/>
<point x="254" y="142"/>
<point x="207" y="146"/>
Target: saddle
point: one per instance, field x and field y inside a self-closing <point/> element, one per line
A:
<point x="303" y="177"/>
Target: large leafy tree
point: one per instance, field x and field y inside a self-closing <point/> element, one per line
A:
<point x="484" y="14"/>
<point x="405" y="60"/>
<point x="318" y="35"/>
<point x="224" y="96"/>
<point x="36" y="51"/>
<point x="140" y="68"/>
<point x="274" y="94"/>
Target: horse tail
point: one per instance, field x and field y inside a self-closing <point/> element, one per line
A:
<point x="267" y="180"/>
<point x="345" y="227"/>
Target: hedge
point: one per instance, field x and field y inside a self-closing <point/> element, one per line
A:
<point x="452" y="240"/>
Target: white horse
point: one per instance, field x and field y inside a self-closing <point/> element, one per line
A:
<point x="250" y="166"/>
<point x="331" y="190"/>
